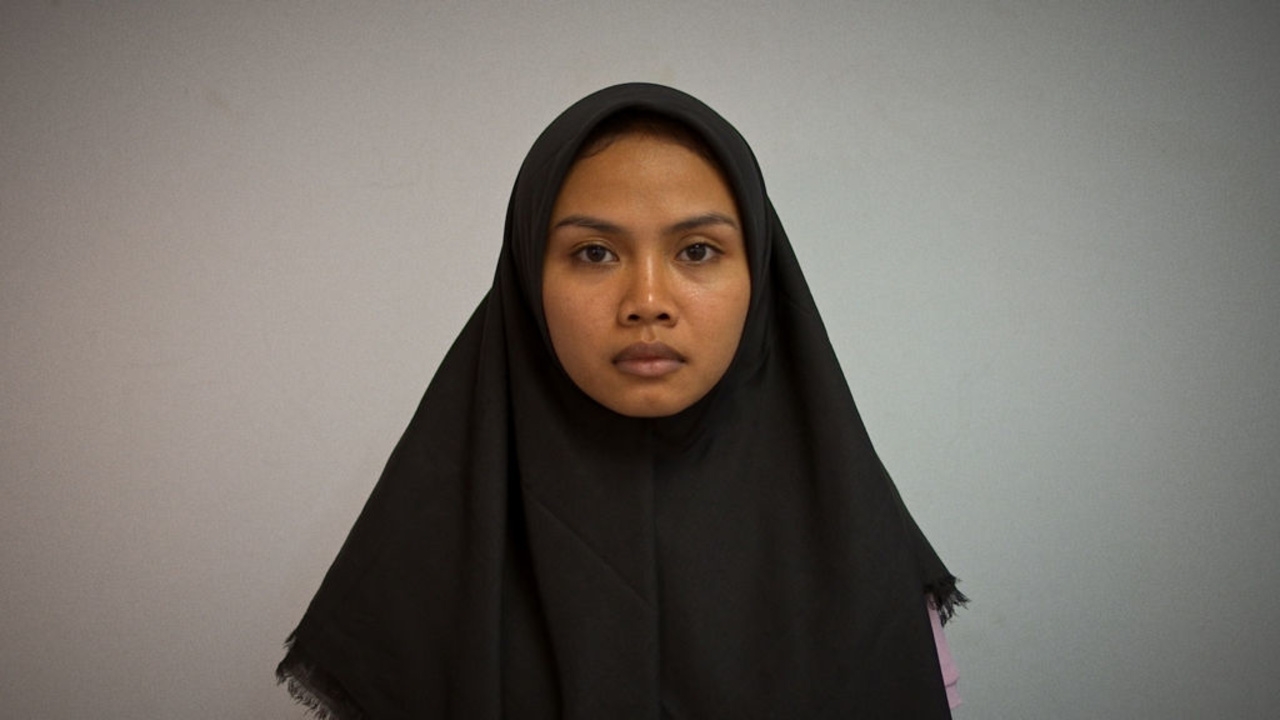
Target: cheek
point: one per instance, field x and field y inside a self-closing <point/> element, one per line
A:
<point x="560" y="322"/>
<point x="571" y="321"/>
<point x="728" y="315"/>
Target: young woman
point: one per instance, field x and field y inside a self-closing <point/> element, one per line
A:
<point x="638" y="486"/>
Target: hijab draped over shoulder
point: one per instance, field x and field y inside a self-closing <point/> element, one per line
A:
<point x="528" y="553"/>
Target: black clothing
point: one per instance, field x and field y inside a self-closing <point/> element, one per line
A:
<point x="528" y="553"/>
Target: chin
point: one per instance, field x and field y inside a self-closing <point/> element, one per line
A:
<point x="642" y="411"/>
<point x="647" y="407"/>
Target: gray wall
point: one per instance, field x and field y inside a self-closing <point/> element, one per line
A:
<point x="238" y="238"/>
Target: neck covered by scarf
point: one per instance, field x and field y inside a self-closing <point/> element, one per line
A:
<point x="528" y="553"/>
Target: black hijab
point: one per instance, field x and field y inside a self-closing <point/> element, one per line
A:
<point x="528" y="553"/>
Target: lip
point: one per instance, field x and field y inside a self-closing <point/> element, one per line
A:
<point x="648" y="360"/>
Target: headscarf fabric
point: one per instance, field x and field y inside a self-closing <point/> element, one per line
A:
<point x="528" y="553"/>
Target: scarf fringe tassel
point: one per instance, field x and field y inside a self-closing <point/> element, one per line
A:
<point x="323" y="698"/>
<point x="947" y="598"/>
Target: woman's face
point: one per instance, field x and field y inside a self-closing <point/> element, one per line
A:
<point x="645" y="283"/>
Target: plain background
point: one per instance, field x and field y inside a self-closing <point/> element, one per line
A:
<point x="237" y="238"/>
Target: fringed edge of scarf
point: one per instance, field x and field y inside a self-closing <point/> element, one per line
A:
<point x="312" y="688"/>
<point x="946" y="597"/>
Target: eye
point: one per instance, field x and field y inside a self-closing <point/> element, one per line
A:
<point x="698" y="253"/>
<point x="594" y="254"/>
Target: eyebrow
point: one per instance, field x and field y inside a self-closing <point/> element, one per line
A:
<point x="604" y="226"/>
<point x="703" y="220"/>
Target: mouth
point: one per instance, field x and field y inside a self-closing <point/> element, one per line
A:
<point x="648" y="360"/>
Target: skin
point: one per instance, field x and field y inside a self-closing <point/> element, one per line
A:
<point x="645" y="282"/>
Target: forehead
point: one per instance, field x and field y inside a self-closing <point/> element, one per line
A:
<point x="643" y="172"/>
<point x="635" y="121"/>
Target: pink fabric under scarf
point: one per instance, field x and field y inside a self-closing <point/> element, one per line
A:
<point x="950" y="675"/>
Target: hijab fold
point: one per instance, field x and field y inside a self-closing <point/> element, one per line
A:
<point x="528" y="553"/>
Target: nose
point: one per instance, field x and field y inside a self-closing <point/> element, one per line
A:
<point x="648" y="297"/>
